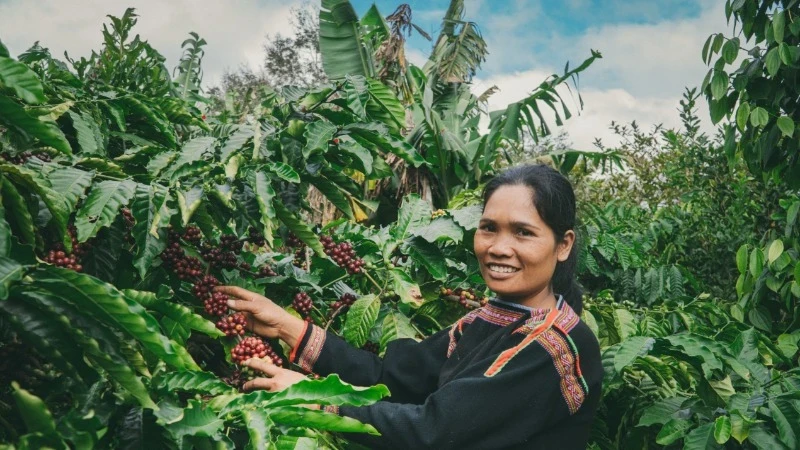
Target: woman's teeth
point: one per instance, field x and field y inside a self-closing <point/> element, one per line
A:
<point x="502" y="269"/>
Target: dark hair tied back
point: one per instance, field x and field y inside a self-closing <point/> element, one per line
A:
<point x="554" y="200"/>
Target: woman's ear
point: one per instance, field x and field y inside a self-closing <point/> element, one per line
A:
<point x="565" y="246"/>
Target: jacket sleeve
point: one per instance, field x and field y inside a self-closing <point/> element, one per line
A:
<point x="410" y="369"/>
<point x="485" y="407"/>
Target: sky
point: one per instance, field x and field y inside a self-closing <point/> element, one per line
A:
<point x="651" y="49"/>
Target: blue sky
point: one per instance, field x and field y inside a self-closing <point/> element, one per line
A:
<point x="651" y="49"/>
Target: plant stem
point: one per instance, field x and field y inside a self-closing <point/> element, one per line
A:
<point x="373" y="281"/>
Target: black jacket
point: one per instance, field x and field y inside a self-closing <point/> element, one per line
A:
<point x="502" y="377"/>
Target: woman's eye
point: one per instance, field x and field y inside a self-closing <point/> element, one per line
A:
<point x="486" y="227"/>
<point x="523" y="232"/>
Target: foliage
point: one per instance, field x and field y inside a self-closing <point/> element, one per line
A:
<point x="760" y="96"/>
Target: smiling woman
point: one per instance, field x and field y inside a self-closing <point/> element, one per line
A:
<point x="522" y="372"/>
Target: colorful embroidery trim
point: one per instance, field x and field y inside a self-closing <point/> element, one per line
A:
<point x="310" y="354"/>
<point x="566" y="364"/>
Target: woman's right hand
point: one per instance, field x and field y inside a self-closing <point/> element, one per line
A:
<point x="264" y="317"/>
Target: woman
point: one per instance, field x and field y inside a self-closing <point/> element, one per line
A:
<point x="521" y="372"/>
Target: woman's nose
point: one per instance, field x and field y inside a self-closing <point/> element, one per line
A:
<point x="501" y="246"/>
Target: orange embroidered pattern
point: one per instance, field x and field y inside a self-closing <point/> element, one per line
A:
<point x="506" y="356"/>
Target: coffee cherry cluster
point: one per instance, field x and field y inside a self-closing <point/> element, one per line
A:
<point x="255" y="237"/>
<point x="186" y="267"/>
<point x="238" y="378"/>
<point x="216" y="304"/>
<point x="218" y="257"/>
<point x="343" y="254"/>
<point x="192" y="234"/>
<point x="22" y="158"/>
<point x="438" y="213"/>
<point x="253" y="347"/>
<point x="302" y="303"/>
<point x="372" y="347"/>
<point x="233" y="325"/>
<point x="300" y="258"/>
<point x="60" y="258"/>
<point x="344" y="302"/>
<point x="465" y="297"/>
<point x="293" y="241"/>
<point x="266" y="271"/>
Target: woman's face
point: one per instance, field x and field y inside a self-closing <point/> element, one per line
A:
<point x="516" y="249"/>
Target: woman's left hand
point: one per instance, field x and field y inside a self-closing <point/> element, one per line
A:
<point x="277" y="378"/>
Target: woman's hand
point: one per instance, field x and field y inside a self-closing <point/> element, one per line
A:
<point x="277" y="378"/>
<point x="264" y="317"/>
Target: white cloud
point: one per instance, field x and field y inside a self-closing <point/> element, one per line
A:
<point x="235" y="29"/>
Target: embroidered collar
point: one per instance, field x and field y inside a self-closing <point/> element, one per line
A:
<point x="533" y="311"/>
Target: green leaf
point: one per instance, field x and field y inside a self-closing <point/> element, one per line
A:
<point x="631" y="348"/>
<point x="150" y="114"/>
<point x="360" y="319"/>
<point x="328" y="391"/>
<point x="468" y="217"/>
<point x="742" y="114"/>
<point x="759" y="117"/>
<point x="779" y="25"/>
<point x="175" y="311"/>
<point x="775" y="250"/>
<point x="88" y="134"/>
<point x="5" y="231"/>
<point x="661" y="412"/>
<point x="296" y="443"/>
<point x="71" y="183"/>
<point x="741" y="258"/>
<point x="672" y="431"/>
<point x="235" y="142"/>
<point x="149" y="208"/>
<point x="722" y="429"/>
<point x="788" y="345"/>
<point x="625" y="322"/>
<point x="110" y="306"/>
<point x="192" y="152"/>
<point x="25" y="83"/>
<point x="188" y="202"/>
<point x="701" y="438"/>
<point x="787" y="418"/>
<point x="334" y="194"/>
<point x="773" y="61"/>
<point x="204" y="383"/>
<point x="760" y="318"/>
<point x="265" y="197"/>
<point x="283" y="171"/>
<point x="340" y="41"/>
<point x="719" y="84"/>
<point x="429" y="256"/>
<point x="740" y="427"/>
<point x="442" y="229"/>
<point x="197" y="421"/>
<point x="380" y="136"/>
<point x="299" y="228"/>
<point x="16" y="210"/>
<point x="396" y="326"/>
<point x="362" y="156"/>
<point x="55" y="202"/>
<point x="102" y="206"/>
<point x="404" y="286"/>
<point x="414" y="213"/>
<point x="730" y="50"/>
<point x="258" y="426"/>
<point x="756" y="262"/>
<point x="10" y="272"/>
<point x="293" y="416"/>
<point x="317" y="135"/>
<point x="37" y="418"/>
<point x="698" y="346"/>
<point x="786" y="125"/>
<point x="384" y="105"/>
<point x="93" y="344"/>
<point x="787" y="54"/>
<point x="48" y="133"/>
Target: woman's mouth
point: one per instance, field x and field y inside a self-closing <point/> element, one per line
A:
<point x="500" y="268"/>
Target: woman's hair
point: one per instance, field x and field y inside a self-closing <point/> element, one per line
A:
<point x="554" y="200"/>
